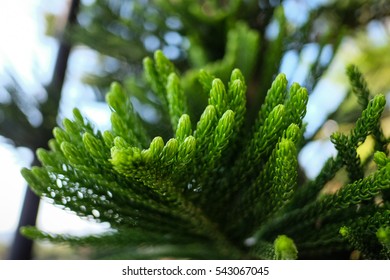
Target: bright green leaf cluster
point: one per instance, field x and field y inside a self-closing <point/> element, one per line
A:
<point x="215" y="187"/>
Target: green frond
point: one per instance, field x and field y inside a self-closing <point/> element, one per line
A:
<point x="263" y="249"/>
<point x="280" y="173"/>
<point x="212" y="185"/>
<point x="47" y="158"/>
<point x="108" y="138"/>
<point x="365" y="125"/>
<point x="359" y="85"/>
<point x="383" y="235"/>
<point x="268" y="134"/>
<point x="177" y="101"/>
<point x="184" y="128"/>
<point x="369" y="234"/>
<point x="369" y="121"/>
<point x="187" y="151"/>
<point x="204" y="130"/>
<point x="286" y="172"/>
<point x="157" y="72"/>
<point x="296" y="104"/>
<point x="206" y="80"/>
<point x="293" y="132"/>
<point x="350" y="195"/>
<point x="60" y="135"/>
<point x="222" y="135"/>
<point x="381" y="159"/>
<point x="285" y="248"/>
<point x="263" y="141"/>
<point x="237" y="97"/>
<point x="123" y="244"/>
<point x="164" y="67"/>
<point x="273" y="188"/>
<point x="310" y="191"/>
<point x="125" y="122"/>
<point x="218" y="97"/>
<point x="346" y="146"/>
<point x="73" y="154"/>
<point x="361" y="90"/>
<point x="95" y="147"/>
<point x="357" y="192"/>
<point x="34" y="180"/>
<point x="348" y="154"/>
<point x="276" y="95"/>
<point x="152" y="77"/>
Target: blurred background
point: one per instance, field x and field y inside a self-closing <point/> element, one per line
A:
<point x="30" y="32"/>
<point x="56" y="55"/>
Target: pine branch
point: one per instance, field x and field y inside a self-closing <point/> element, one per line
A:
<point x="359" y="85"/>
<point x="168" y="194"/>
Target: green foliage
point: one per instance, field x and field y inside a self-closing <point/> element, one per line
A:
<point x="285" y="248"/>
<point x="214" y="188"/>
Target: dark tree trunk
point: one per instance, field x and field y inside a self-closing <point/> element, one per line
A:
<point x="21" y="248"/>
